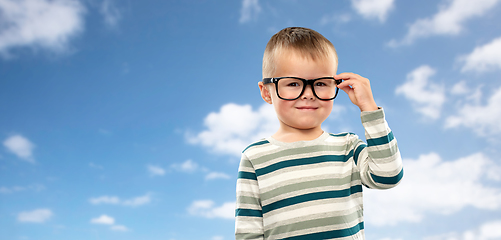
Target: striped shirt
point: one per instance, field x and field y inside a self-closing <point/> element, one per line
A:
<point x="313" y="189"/>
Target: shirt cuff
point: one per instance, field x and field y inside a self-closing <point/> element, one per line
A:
<point x="372" y="116"/>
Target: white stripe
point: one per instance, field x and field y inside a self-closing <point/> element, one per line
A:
<point x="340" y="140"/>
<point x="246" y="169"/>
<point x="297" y="173"/>
<point x="386" y="167"/>
<point x="247" y="224"/>
<point x="305" y="209"/>
<point x="249" y="206"/>
<point x="377" y="129"/>
<point x="265" y="149"/>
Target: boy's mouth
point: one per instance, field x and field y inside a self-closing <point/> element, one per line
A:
<point x="307" y="108"/>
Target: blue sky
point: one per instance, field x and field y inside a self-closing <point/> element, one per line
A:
<point x="125" y="119"/>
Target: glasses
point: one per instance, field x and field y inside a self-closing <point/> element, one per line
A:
<point x="291" y="88"/>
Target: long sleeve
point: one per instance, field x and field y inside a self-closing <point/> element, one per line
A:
<point x="379" y="160"/>
<point x="248" y="214"/>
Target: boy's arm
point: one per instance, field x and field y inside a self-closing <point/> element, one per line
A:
<point x="248" y="214"/>
<point x="379" y="160"/>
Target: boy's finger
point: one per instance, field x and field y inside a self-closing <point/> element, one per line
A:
<point x="346" y="83"/>
<point x="345" y="75"/>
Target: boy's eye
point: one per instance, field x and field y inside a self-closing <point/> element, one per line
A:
<point x="293" y="84"/>
<point x="324" y="83"/>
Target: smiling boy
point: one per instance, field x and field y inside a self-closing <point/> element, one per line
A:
<point x="301" y="182"/>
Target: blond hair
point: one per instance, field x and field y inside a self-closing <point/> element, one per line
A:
<point x="306" y="42"/>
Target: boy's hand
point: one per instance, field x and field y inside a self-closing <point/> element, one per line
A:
<point x="358" y="89"/>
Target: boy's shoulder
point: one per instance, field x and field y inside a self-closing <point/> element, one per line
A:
<point x="343" y="134"/>
<point x="260" y="142"/>
<point x="264" y="143"/>
<point x="342" y="138"/>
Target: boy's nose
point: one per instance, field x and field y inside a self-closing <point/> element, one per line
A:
<point x="308" y="93"/>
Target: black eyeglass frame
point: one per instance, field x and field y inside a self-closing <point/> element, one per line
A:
<point x="305" y="83"/>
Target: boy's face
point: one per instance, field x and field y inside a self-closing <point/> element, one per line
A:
<point x="306" y="112"/>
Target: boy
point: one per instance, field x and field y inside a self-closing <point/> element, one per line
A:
<point x="303" y="183"/>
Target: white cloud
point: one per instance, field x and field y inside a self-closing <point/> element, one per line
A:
<point x="488" y="231"/>
<point x="337" y="111"/>
<point x="34" y="187"/>
<point x="426" y="96"/>
<point x="217" y="238"/>
<point x="107" y="220"/>
<point x="188" y="166"/>
<point x="155" y="170"/>
<point x="103" y="219"/>
<point x="432" y="186"/>
<point x="137" y="201"/>
<point x="483" y="58"/>
<point x="105" y="132"/>
<point x="448" y="21"/>
<point x="39" y="23"/>
<point x="234" y="127"/>
<point x="250" y="10"/>
<point x="105" y="200"/>
<point x="483" y="119"/>
<point x="467" y="93"/>
<point x="459" y="88"/>
<point x="373" y="9"/>
<point x="335" y="18"/>
<point x="20" y="146"/>
<point x="35" y="216"/>
<point x="120" y="228"/>
<point x="206" y="208"/>
<point x="110" y="13"/>
<point x="5" y="190"/>
<point x="217" y="175"/>
<point x="93" y="165"/>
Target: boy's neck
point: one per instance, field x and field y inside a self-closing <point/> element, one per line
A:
<point x="295" y="135"/>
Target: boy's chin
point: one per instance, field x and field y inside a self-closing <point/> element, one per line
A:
<point x="305" y="127"/>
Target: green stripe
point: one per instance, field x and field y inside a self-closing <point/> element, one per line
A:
<point x="242" y="212"/>
<point x="357" y="152"/>
<point x="247" y="175"/>
<point x="388" y="180"/>
<point x="381" y="140"/>
<point x="330" y="181"/>
<point x="384" y="153"/>
<point x="297" y="151"/>
<point x="246" y="163"/>
<point x="248" y="200"/>
<point x="315" y="223"/>
<point x="340" y="134"/>
<point x="369" y="117"/>
<point x="256" y="144"/>
<point x="311" y="197"/>
<point x="303" y="161"/>
<point x="330" y="234"/>
<point x="242" y="236"/>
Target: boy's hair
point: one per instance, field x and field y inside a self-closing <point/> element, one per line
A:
<point x="305" y="41"/>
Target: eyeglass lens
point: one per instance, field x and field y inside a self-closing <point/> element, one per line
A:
<point x="290" y="88"/>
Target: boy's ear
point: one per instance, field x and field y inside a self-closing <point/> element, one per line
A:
<point x="265" y="92"/>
